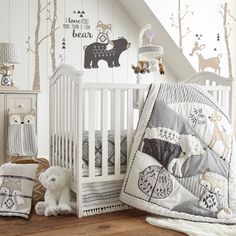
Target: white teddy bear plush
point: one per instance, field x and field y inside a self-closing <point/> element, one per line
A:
<point x="56" y="180"/>
<point x="152" y="65"/>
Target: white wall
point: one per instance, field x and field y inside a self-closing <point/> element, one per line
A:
<point x="18" y="22"/>
<point x="202" y="18"/>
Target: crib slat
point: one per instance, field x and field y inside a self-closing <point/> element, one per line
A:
<point x="141" y="101"/>
<point x="53" y="118"/>
<point x="75" y="143"/>
<point x="219" y="97"/>
<point x="117" y="131"/>
<point x="67" y="122"/>
<point x="122" y="110"/>
<point x="104" y="132"/>
<point x="225" y="101"/>
<point x="58" y="124"/>
<point x="70" y="124"/>
<point x="112" y="100"/>
<point x="74" y="130"/>
<point x="52" y="125"/>
<point x="129" y="120"/>
<point x="63" y="121"/>
<point x="55" y="131"/>
<point x="84" y="109"/>
<point x="91" y="133"/>
<point x="214" y="91"/>
<point x="60" y="119"/>
<point x="79" y="144"/>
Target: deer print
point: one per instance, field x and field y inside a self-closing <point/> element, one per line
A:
<point x="212" y="62"/>
<point x="219" y="135"/>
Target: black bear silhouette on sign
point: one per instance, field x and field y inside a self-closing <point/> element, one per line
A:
<point x="98" y="51"/>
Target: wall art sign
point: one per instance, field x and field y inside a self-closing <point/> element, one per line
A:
<point x="78" y="24"/>
<point x="104" y="48"/>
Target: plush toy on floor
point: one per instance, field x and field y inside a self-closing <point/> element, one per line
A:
<point x="56" y="180"/>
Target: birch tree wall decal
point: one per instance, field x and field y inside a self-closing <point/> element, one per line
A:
<point x="225" y="12"/>
<point x="155" y="181"/>
<point x="178" y="25"/>
<point x="38" y="42"/>
<point x="53" y="21"/>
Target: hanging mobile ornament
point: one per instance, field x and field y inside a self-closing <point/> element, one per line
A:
<point x="161" y="66"/>
<point x="149" y="34"/>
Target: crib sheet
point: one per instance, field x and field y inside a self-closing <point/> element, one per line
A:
<point x="111" y="148"/>
<point x="66" y="143"/>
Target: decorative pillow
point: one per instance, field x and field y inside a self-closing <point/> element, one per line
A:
<point x="16" y="185"/>
<point x="38" y="189"/>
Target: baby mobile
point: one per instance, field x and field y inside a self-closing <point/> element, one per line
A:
<point x="149" y="56"/>
<point x="149" y="59"/>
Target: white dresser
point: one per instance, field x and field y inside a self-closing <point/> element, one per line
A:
<point x="13" y="99"/>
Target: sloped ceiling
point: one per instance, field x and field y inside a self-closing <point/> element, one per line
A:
<point x="175" y="61"/>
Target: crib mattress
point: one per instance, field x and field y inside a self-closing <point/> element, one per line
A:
<point x="65" y="144"/>
<point x="111" y="148"/>
<point x="98" y="170"/>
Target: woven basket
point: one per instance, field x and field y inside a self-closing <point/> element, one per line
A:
<point x="38" y="189"/>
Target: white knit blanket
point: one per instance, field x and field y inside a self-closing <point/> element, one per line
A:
<point x="193" y="228"/>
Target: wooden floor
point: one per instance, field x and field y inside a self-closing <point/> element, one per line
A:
<point x="130" y="222"/>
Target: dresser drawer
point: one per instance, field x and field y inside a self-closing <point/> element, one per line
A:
<point x="27" y="101"/>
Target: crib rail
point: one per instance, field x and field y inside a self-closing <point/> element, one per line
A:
<point x="220" y="88"/>
<point x="109" y="107"/>
<point x="64" y="107"/>
<point x="222" y="96"/>
<point x="79" y="110"/>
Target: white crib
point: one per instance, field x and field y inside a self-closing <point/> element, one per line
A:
<point x="77" y="107"/>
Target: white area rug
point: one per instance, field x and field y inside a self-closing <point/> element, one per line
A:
<point x="193" y="228"/>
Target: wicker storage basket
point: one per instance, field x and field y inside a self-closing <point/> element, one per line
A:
<point x="38" y="189"/>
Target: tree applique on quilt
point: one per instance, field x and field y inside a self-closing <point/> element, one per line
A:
<point x="197" y="117"/>
<point x="155" y="182"/>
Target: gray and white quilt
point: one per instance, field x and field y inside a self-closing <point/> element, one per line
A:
<point x="182" y="163"/>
